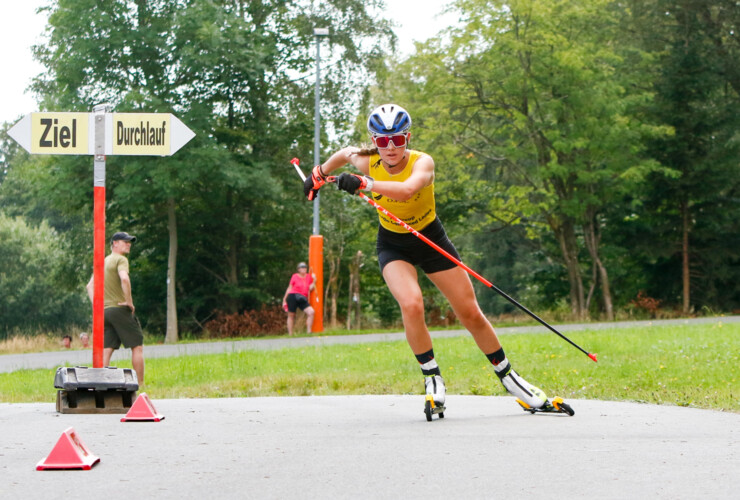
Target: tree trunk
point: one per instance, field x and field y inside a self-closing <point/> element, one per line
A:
<point x="331" y="292"/>
<point x="232" y="276"/>
<point x="358" y="302"/>
<point x="590" y="232"/>
<point x="354" y="307"/>
<point x="231" y="260"/>
<point x="334" y="304"/>
<point x="566" y="236"/>
<point x="685" y="267"/>
<point x="351" y="289"/>
<point x="592" y="288"/>
<point x="172" y="335"/>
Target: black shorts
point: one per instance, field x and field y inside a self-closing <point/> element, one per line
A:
<point x="296" y="300"/>
<point x="392" y="246"/>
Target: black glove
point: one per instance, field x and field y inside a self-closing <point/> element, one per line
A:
<point x="351" y="182"/>
<point x="313" y="183"/>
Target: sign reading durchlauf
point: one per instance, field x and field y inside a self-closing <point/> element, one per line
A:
<point x="136" y="132"/>
<point x="130" y="134"/>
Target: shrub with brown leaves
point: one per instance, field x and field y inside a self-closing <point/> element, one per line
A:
<point x="646" y="303"/>
<point x="269" y="320"/>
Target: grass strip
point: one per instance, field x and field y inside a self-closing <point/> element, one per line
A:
<point x="688" y="365"/>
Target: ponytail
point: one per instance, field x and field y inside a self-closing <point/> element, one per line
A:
<point x="366" y="151"/>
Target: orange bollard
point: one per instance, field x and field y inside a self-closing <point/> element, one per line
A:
<point x="316" y="266"/>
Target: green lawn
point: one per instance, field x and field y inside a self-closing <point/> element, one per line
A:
<point x="696" y="366"/>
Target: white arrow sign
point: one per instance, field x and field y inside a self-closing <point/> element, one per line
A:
<point x="133" y="134"/>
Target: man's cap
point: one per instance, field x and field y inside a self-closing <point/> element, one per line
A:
<point x="123" y="236"/>
<point x="302" y="264"/>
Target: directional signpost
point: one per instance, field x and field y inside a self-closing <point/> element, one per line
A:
<point x="138" y="134"/>
<point x="100" y="133"/>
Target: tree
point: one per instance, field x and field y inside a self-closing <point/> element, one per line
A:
<point x="535" y="101"/>
<point x="33" y="293"/>
<point x="698" y="96"/>
<point x="233" y="71"/>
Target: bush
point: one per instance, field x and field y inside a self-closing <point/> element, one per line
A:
<point x="32" y="293"/>
<point x="643" y="302"/>
<point x="269" y="320"/>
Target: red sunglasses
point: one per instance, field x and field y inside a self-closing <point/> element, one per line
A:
<point x="384" y="141"/>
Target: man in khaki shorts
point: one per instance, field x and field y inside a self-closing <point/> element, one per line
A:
<point x="121" y="325"/>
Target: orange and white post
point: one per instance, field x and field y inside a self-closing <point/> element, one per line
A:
<point x="316" y="266"/>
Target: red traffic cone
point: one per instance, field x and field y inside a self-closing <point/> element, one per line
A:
<point x="69" y="453"/>
<point x="142" y="411"/>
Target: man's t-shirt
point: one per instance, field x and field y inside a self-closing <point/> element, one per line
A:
<point x="113" y="291"/>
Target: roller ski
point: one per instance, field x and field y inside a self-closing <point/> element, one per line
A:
<point x="557" y="405"/>
<point x="434" y="404"/>
<point x="529" y="397"/>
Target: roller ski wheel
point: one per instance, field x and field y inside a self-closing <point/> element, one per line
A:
<point x="430" y="408"/>
<point x="557" y="405"/>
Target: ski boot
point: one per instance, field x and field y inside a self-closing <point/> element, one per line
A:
<point x="515" y="384"/>
<point x="556" y="406"/>
<point x="434" y="403"/>
<point x="529" y="397"/>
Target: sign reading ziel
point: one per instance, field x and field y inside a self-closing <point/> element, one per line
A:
<point x="59" y="133"/>
<point x="141" y="134"/>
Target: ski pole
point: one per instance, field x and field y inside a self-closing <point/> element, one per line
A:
<point x="458" y="263"/>
<point x="295" y="162"/>
<point x="471" y="272"/>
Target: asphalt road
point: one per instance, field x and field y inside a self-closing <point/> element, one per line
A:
<point x="377" y="447"/>
<point x="371" y="446"/>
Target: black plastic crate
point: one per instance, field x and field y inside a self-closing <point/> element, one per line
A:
<point x="73" y="378"/>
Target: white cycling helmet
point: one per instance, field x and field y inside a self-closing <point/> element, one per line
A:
<point x="388" y="119"/>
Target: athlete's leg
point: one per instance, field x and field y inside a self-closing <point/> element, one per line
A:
<point x="455" y="285"/>
<point x="402" y="281"/>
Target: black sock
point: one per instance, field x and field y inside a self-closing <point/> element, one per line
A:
<point x="496" y="357"/>
<point x="428" y="364"/>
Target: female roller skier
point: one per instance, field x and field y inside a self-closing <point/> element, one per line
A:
<point x="402" y="181"/>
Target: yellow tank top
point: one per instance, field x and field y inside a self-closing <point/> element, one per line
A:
<point x="417" y="212"/>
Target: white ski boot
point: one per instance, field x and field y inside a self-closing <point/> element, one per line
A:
<point x="531" y="396"/>
<point x="435" y="396"/>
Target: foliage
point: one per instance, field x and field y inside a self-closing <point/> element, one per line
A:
<point x="237" y="73"/>
<point x="585" y="150"/>
<point x="544" y="121"/>
<point x="534" y="121"/>
<point x="690" y="220"/>
<point x="265" y="321"/>
<point x="33" y="298"/>
<point x="646" y="303"/>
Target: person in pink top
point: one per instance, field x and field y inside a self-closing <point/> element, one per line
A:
<point x="296" y="296"/>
